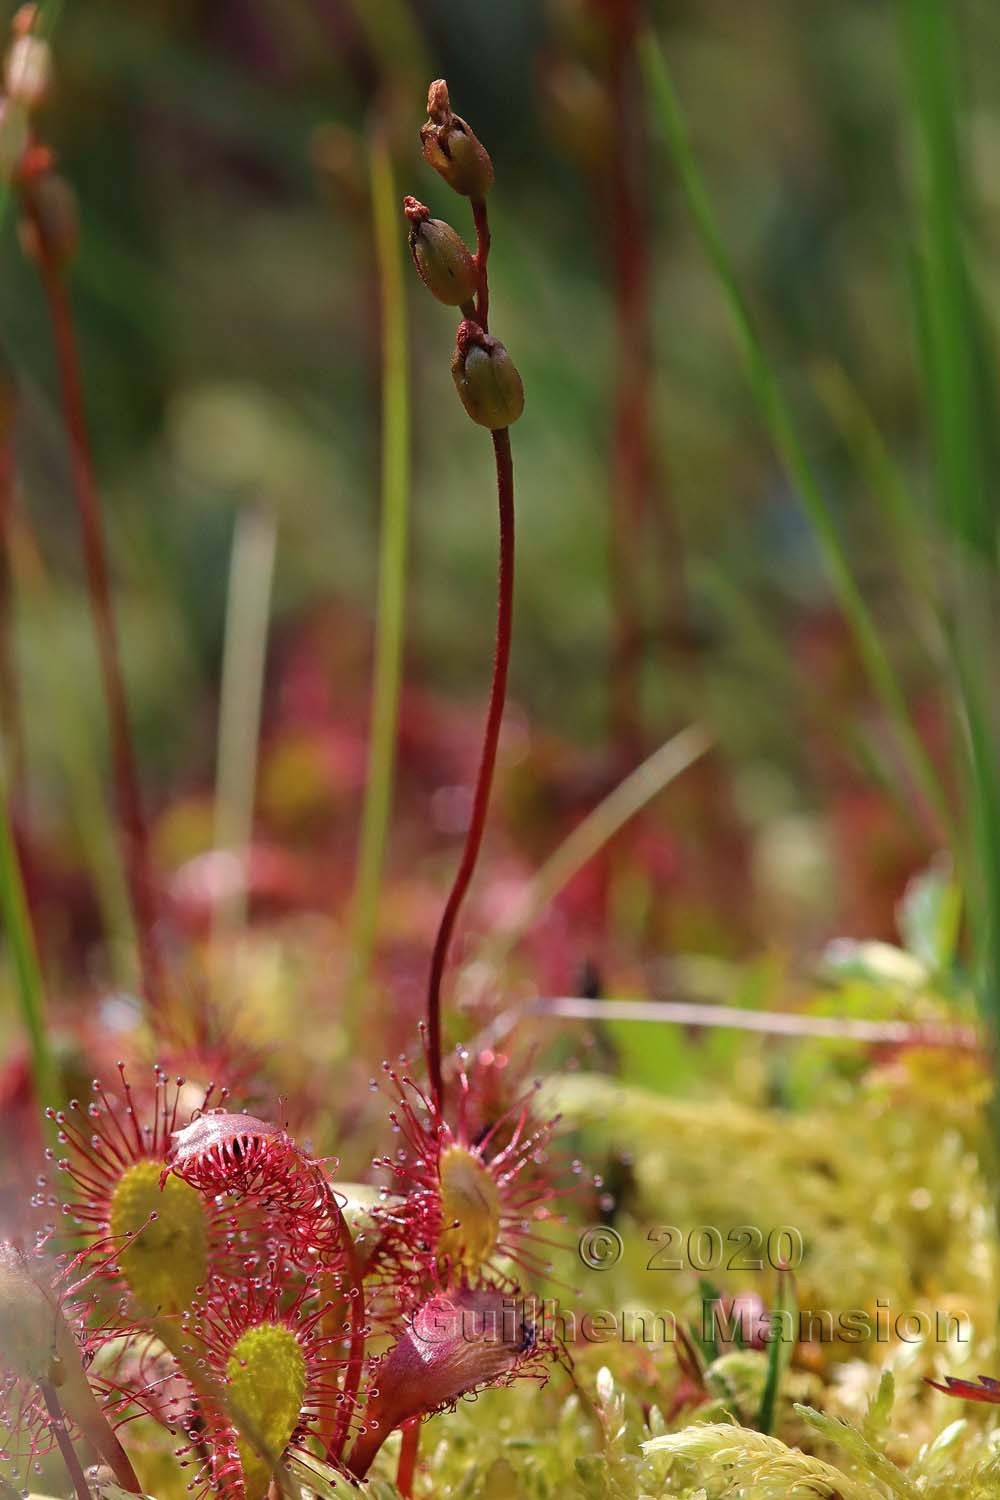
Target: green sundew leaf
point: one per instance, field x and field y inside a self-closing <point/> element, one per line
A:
<point x="780" y="1349"/>
<point x="930" y="916"/>
<point x="867" y="1458"/>
<point x="784" y="434"/>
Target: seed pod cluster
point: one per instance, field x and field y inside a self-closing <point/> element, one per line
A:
<point x="485" y="376"/>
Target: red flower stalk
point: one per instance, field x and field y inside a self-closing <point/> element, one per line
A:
<point x="456" y="1344"/>
<point x="264" y="1341"/>
<point x="487" y="763"/>
<point x="490" y="390"/>
<point x="168" y="1237"/>
<point x="473" y="1199"/>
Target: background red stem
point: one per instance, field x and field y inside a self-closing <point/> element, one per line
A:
<point x="10" y="706"/>
<point x="133" y="830"/>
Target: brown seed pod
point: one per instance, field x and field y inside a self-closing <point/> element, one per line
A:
<point x="452" y="148"/>
<point x="441" y="256"/>
<point x="486" y="378"/>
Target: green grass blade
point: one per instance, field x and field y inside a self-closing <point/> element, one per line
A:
<point x="952" y="349"/>
<point x="24" y="957"/>
<point x="780" y="1349"/>
<point x="902" y="516"/>
<point x="391" y="603"/>
<point x="960" y="391"/>
<point x="778" y="417"/>
<point x="592" y="833"/>
<point x="244" y="658"/>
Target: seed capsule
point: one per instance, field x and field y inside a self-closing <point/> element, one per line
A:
<point x="441" y="256"/>
<point x="486" y="378"/>
<point x="452" y="147"/>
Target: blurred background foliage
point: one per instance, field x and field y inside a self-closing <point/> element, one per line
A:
<point x="228" y="311"/>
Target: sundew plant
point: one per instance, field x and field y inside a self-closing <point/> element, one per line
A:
<point x="567" y="1076"/>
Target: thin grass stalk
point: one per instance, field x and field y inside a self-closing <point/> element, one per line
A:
<point x="78" y="754"/>
<point x="888" y="487"/>
<point x="591" y="835"/>
<point x="10" y="698"/>
<point x="779" y="1355"/>
<point x="28" y="979"/>
<point x="244" y="660"/>
<point x="959" y="388"/>
<point x="777" y="414"/>
<point x="393" y="548"/>
<point x="950" y="339"/>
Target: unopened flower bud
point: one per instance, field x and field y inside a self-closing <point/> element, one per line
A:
<point x="49" y="227"/>
<point x="486" y="378"/>
<point x="441" y="256"/>
<point x="28" y="71"/>
<point x="452" y="148"/>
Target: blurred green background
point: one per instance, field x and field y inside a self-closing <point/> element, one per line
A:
<point x="228" y="311"/>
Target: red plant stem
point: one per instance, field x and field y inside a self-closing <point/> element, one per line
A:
<point x="356" y="1350"/>
<point x="134" y="834"/>
<point x="10" y="707"/>
<point x="407" y="1467"/>
<point x="69" y="1453"/>
<point x="483" y="241"/>
<point x="484" y="780"/>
